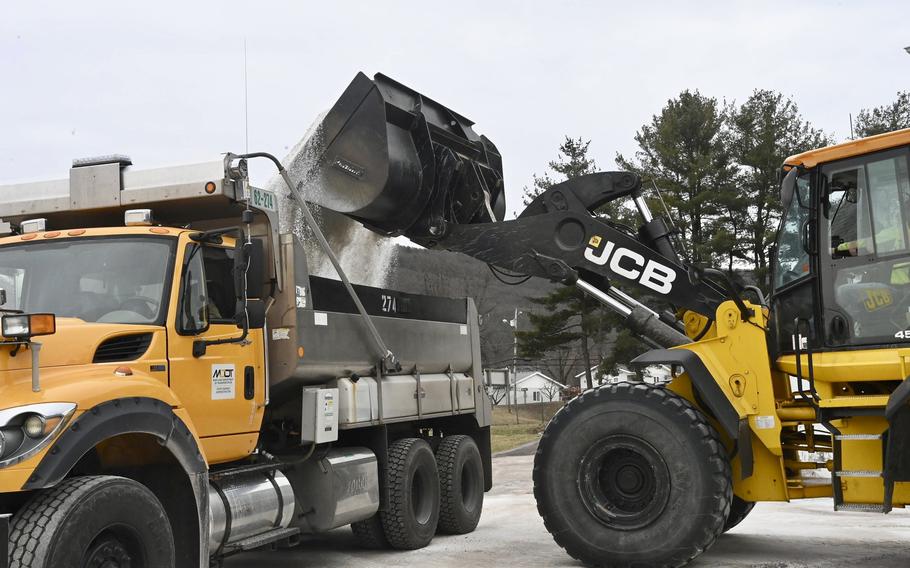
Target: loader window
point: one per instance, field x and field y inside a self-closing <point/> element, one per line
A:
<point x="792" y="260"/>
<point x="867" y="285"/>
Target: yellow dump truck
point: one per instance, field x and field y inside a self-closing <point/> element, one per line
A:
<point x="177" y="388"/>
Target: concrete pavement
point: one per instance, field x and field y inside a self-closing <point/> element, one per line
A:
<point x="796" y="535"/>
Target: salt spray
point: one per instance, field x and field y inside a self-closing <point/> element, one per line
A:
<point x="366" y="257"/>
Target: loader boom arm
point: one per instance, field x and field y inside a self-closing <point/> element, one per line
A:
<point x="560" y="238"/>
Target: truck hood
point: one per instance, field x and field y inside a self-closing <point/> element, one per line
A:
<point x="74" y="343"/>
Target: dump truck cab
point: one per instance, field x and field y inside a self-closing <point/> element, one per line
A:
<point x="165" y="349"/>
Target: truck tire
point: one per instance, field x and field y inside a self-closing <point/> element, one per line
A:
<point x="460" y="484"/>
<point x="92" y="521"/>
<point x="739" y="510"/>
<point x="632" y="474"/>
<point x="369" y="533"/>
<point x="410" y="520"/>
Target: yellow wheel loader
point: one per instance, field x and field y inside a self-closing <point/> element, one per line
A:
<point x="763" y="390"/>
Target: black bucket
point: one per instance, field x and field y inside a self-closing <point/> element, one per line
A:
<point x="401" y="163"/>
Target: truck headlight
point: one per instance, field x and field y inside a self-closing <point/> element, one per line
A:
<point x="23" y="326"/>
<point x="26" y="430"/>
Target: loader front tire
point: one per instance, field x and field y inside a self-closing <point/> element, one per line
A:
<point x="739" y="510"/>
<point x="632" y="474"/>
<point x="91" y="521"/>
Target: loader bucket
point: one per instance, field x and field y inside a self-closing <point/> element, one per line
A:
<point x="400" y="163"/>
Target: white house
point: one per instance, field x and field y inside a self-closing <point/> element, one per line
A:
<point x="533" y="387"/>
<point x="652" y="374"/>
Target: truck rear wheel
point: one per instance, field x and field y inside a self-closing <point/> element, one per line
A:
<point x="460" y="484"/>
<point x="739" y="510"/>
<point x="632" y="475"/>
<point x="412" y="514"/>
<point x="369" y="533"/>
<point x="92" y="521"/>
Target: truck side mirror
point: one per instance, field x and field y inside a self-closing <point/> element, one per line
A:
<point x="249" y="266"/>
<point x="255" y="315"/>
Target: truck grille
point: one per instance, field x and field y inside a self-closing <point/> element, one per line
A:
<point x="123" y="348"/>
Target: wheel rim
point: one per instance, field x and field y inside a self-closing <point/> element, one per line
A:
<point x="624" y="482"/>
<point x="421" y="505"/>
<point x="115" y="547"/>
<point x="469" y="490"/>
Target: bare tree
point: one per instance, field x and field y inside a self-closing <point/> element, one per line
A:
<point x="496" y="393"/>
<point x="550" y="390"/>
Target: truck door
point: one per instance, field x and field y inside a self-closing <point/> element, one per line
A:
<point x="222" y="389"/>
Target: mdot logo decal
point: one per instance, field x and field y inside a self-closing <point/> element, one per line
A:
<point x="223" y="382"/>
<point x="629" y="264"/>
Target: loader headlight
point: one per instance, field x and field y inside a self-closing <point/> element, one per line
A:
<point x="26" y="430"/>
<point x="23" y="326"/>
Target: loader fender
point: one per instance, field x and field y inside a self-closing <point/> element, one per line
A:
<point x="137" y="415"/>
<point x="710" y="395"/>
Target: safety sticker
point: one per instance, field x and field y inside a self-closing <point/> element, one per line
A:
<point x="223" y="382"/>
<point x="764" y="422"/>
<point x="301" y="296"/>
<point x="320" y="318"/>
<point x="464" y="330"/>
<point x="281" y="333"/>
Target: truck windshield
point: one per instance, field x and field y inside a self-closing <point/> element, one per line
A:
<point x="100" y="279"/>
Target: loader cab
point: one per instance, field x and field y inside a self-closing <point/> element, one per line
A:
<point x="842" y="262"/>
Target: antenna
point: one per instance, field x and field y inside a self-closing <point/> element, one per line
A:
<point x="246" y="105"/>
<point x="852" y="136"/>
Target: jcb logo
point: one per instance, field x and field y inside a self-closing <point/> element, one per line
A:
<point x="629" y="264"/>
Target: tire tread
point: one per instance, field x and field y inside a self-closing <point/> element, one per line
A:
<point x="697" y="423"/>
<point x="27" y="540"/>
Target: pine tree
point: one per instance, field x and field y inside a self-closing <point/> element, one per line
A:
<point x="683" y="150"/>
<point x="764" y="130"/>
<point x="569" y="321"/>
<point x="885" y="118"/>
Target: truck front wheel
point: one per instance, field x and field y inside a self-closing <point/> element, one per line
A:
<point x="92" y="521"/>
<point x="412" y="514"/>
<point x="632" y="475"/>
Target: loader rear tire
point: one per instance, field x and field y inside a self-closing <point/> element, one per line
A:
<point x="369" y="533"/>
<point x="92" y="521"/>
<point x="632" y="474"/>
<point x="739" y="510"/>
<point x="412" y="515"/>
<point x="460" y="484"/>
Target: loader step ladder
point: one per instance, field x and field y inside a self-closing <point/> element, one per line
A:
<point x="858" y="473"/>
<point x="860" y="508"/>
<point x="839" y="407"/>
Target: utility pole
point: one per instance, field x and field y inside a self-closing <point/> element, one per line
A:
<point x="513" y="375"/>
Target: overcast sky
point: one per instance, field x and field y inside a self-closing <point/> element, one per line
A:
<point x="163" y="82"/>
